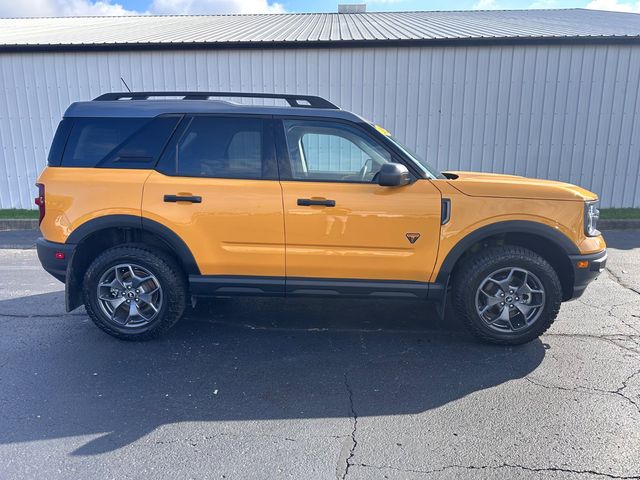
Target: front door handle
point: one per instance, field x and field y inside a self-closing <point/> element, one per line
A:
<point x="183" y="198"/>
<point x="308" y="202"/>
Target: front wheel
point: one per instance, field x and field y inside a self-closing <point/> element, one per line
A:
<point x="507" y="295"/>
<point x="134" y="293"/>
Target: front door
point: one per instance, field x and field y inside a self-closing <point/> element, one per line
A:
<point x="344" y="232"/>
<point x="217" y="188"/>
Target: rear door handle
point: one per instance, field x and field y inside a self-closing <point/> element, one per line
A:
<point x="308" y="202"/>
<point x="183" y="198"/>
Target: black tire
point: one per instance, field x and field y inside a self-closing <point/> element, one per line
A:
<point x="473" y="273"/>
<point x="169" y="276"/>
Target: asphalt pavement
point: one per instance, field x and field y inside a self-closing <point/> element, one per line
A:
<point x="322" y="389"/>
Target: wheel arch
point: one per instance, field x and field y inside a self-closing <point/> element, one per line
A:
<point x="553" y="245"/>
<point x="98" y="234"/>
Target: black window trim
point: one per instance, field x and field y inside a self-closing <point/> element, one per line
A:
<point x="269" y="154"/>
<point x="284" y="163"/>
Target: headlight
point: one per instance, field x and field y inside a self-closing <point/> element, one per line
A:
<point x="591" y="216"/>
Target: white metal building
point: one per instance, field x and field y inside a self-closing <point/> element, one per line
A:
<point x="544" y="93"/>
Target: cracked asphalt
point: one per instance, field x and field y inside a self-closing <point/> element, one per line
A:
<point x="273" y="388"/>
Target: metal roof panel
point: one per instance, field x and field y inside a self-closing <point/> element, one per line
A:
<point x="317" y="27"/>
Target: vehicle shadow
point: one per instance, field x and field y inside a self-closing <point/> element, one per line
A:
<point x="238" y="360"/>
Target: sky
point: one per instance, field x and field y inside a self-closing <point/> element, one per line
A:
<point x="28" y="8"/>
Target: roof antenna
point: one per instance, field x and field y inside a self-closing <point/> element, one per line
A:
<point x="125" y="84"/>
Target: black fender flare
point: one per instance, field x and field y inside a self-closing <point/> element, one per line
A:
<point x="177" y="245"/>
<point x="510" y="226"/>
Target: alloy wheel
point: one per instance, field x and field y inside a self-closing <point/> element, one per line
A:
<point x="510" y="299"/>
<point x="129" y="295"/>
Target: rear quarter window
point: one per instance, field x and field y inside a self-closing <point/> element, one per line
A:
<point x="59" y="142"/>
<point x="117" y="142"/>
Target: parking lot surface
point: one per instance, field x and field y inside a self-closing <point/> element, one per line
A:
<point x="273" y="388"/>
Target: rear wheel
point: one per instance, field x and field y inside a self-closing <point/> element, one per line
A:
<point x="134" y="293"/>
<point x="507" y="295"/>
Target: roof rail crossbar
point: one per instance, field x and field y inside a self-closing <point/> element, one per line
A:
<point x="292" y="100"/>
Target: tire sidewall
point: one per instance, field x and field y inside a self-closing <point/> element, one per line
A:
<point x="155" y="265"/>
<point x="540" y="269"/>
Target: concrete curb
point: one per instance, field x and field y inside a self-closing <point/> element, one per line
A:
<point x="18" y="223"/>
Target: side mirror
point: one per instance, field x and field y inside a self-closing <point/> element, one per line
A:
<point x="393" y="175"/>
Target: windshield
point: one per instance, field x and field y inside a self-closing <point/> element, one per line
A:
<point x="428" y="169"/>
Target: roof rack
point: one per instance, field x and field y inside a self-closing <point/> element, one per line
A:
<point x="293" y="100"/>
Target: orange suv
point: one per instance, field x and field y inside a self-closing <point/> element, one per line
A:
<point x="150" y="199"/>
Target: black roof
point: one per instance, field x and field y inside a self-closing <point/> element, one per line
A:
<point x="151" y="104"/>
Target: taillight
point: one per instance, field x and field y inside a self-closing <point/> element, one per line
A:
<point x="40" y="201"/>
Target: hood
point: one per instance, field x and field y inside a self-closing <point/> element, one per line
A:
<point x="477" y="184"/>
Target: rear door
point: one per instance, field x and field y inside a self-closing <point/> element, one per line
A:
<point x="217" y="188"/>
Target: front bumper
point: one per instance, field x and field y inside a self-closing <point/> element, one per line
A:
<point x="584" y="276"/>
<point x="49" y="253"/>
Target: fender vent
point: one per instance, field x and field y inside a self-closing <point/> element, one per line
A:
<point x="445" y="212"/>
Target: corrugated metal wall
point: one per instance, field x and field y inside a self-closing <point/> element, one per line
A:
<point x="570" y="112"/>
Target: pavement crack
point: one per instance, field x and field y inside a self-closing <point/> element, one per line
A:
<point x="625" y="384"/>
<point x="503" y="466"/>
<point x="613" y="339"/>
<point x="568" y="389"/>
<point x="582" y="389"/>
<point x="609" y="310"/>
<point x="354" y="429"/>
<point x="619" y="281"/>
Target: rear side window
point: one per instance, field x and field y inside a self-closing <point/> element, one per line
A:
<point x="221" y="147"/>
<point x="117" y="142"/>
<point x="59" y="142"/>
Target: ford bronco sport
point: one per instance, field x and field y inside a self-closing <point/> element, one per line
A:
<point x="151" y="199"/>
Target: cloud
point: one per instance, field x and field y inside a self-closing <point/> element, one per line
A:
<point x="64" y="8"/>
<point x="486" y="5"/>
<point x="543" y="4"/>
<point x="60" y="8"/>
<point x="615" y="6"/>
<point x="214" y="6"/>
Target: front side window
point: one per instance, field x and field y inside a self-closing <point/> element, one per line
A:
<point x="332" y="151"/>
<point x="220" y="147"/>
